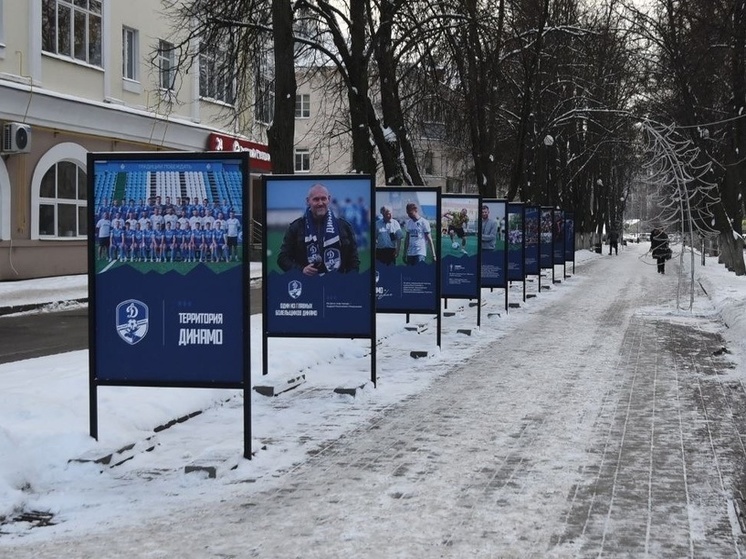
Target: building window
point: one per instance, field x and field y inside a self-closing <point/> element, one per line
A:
<point x="130" y="54"/>
<point x="63" y="202"/>
<point x="264" y="88"/>
<point x="264" y="100"/>
<point x="215" y="76"/>
<point x="166" y="65"/>
<point x="433" y="120"/>
<point x="303" y="105"/>
<point x="72" y="28"/>
<point x="302" y="160"/>
<point x="428" y="165"/>
<point x="455" y="186"/>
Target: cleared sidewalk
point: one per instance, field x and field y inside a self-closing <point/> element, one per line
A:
<point x="620" y="438"/>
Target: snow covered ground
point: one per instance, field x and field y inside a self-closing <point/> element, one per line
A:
<point x="45" y="450"/>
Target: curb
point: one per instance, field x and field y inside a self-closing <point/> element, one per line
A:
<point x="36" y="306"/>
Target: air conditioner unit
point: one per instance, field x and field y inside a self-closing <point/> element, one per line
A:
<point x="16" y="138"/>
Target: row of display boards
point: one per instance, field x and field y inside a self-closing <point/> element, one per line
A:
<point x="336" y="251"/>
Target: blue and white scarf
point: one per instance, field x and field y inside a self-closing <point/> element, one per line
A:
<point x="323" y="248"/>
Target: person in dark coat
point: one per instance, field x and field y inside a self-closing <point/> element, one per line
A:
<point x="659" y="248"/>
<point x="319" y="242"/>
<point x="613" y="242"/>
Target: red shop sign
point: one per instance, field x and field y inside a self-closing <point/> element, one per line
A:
<point x="258" y="154"/>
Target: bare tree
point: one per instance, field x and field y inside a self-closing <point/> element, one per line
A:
<point x="241" y="35"/>
<point x="685" y="197"/>
<point x="694" y="41"/>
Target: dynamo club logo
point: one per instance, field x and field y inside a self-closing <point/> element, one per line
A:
<point x="295" y="288"/>
<point x="132" y="320"/>
<point x="332" y="259"/>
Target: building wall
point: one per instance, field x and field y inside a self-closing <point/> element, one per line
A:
<point x="325" y="134"/>
<point x="74" y="108"/>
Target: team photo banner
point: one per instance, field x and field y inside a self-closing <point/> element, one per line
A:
<point x="168" y="268"/>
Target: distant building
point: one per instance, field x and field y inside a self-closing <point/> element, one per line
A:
<point x="79" y="76"/>
<point x="323" y="143"/>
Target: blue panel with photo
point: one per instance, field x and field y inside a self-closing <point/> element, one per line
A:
<point x="493" y="243"/>
<point x="516" y="271"/>
<point x="167" y="270"/>
<point x="460" y="246"/>
<point x="406" y="249"/>
<point x="318" y="256"/>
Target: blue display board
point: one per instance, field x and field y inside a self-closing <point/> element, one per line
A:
<point x="410" y="283"/>
<point x="569" y="236"/>
<point x="168" y="294"/>
<point x="493" y="244"/>
<point x="516" y="242"/>
<point x="318" y="274"/>
<point x="558" y="237"/>
<point x="459" y="246"/>
<point x="545" y="238"/>
<point x="531" y="228"/>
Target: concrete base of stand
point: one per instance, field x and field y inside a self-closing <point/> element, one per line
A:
<point x="276" y="386"/>
<point x="418" y="354"/>
<point x="466" y="331"/>
<point x="111" y="458"/>
<point x="351" y="391"/>
<point x="212" y="466"/>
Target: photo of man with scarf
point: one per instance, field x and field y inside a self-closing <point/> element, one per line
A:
<point x="320" y="241"/>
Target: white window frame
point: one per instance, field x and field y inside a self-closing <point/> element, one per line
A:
<point x="428" y="163"/>
<point x="79" y="204"/>
<point x="303" y="105"/>
<point x="130" y="54"/>
<point x="264" y="98"/>
<point x="90" y="17"/>
<point x="214" y="83"/>
<point x="166" y="65"/>
<point x="302" y="158"/>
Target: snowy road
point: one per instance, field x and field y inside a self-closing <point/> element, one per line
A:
<point x="600" y="425"/>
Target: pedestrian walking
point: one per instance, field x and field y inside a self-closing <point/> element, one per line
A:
<point x="659" y="248"/>
<point x="613" y="242"/>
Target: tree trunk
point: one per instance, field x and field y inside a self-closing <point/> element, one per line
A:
<point x="731" y="253"/>
<point x="281" y="134"/>
<point x="362" y="152"/>
<point x="531" y="77"/>
<point x="396" y="150"/>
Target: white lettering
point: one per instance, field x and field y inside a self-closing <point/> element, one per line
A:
<point x="200" y="336"/>
<point x="200" y="318"/>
